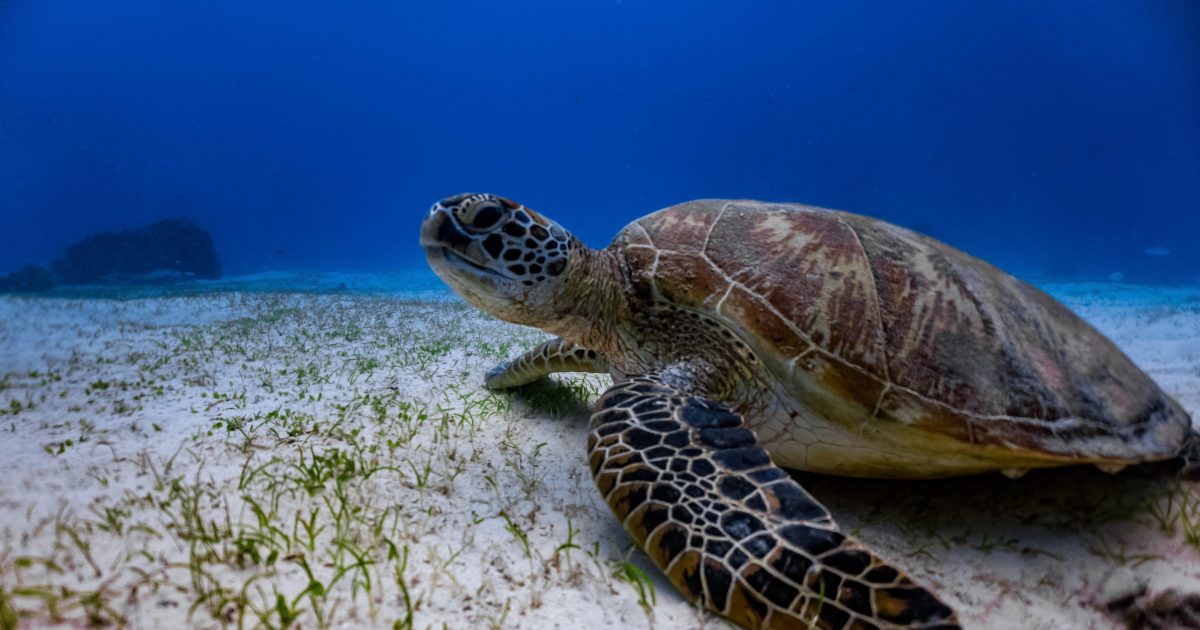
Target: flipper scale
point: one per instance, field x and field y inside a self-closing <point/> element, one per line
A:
<point x="729" y="529"/>
<point x="555" y="355"/>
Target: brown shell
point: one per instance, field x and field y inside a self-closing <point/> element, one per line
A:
<point x="905" y="329"/>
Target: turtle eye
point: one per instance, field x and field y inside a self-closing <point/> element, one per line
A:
<point x="486" y="217"/>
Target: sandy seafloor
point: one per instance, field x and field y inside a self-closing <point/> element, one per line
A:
<point x="246" y="454"/>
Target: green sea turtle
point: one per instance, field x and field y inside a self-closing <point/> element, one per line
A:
<point x="746" y="337"/>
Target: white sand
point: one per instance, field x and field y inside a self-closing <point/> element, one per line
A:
<point x="179" y="461"/>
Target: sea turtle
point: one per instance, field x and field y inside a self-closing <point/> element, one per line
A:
<point x="746" y="337"/>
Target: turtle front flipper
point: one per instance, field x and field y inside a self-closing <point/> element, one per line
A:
<point x="731" y="530"/>
<point x="547" y="358"/>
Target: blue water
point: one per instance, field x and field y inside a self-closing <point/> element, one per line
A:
<point x="1060" y="140"/>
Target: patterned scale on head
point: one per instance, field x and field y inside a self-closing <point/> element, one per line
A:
<point x="746" y="337"/>
<point x="501" y="234"/>
<point x="501" y="257"/>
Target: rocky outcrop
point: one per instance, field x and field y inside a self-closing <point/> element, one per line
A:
<point x="167" y="251"/>
<point x="29" y="279"/>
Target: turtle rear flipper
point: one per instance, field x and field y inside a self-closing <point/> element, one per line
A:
<point x="547" y="358"/>
<point x="730" y="529"/>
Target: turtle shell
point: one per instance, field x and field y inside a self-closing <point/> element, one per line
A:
<point x="862" y="319"/>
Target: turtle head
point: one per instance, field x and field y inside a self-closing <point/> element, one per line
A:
<point x="499" y="255"/>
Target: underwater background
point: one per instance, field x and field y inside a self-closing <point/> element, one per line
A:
<point x="1059" y="140"/>
<point x="239" y="396"/>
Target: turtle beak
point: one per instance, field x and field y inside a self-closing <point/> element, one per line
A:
<point x="444" y="241"/>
